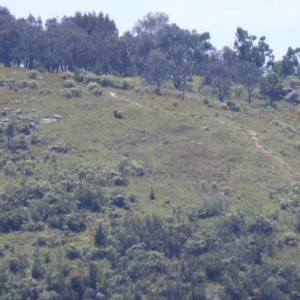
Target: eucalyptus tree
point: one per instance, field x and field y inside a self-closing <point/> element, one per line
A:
<point x="247" y="49"/>
<point x="9" y="37"/>
<point x="186" y="49"/>
<point x="220" y="75"/>
<point x="31" y="43"/>
<point x="289" y="65"/>
<point x="250" y="76"/>
<point x="145" y="38"/>
<point x="157" y="67"/>
<point x="271" y="87"/>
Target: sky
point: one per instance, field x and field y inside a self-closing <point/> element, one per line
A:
<point x="277" y="20"/>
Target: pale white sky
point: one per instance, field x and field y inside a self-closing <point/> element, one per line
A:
<point x="278" y="20"/>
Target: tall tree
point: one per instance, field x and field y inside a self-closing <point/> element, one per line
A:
<point x="219" y="76"/>
<point x="250" y="76"/>
<point x="271" y="87"/>
<point x="9" y="37"/>
<point x="157" y="67"/>
<point x="31" y="44"/>
<point x="246" y="49"/>
<point x="289" y="65"/>
<point x="145" y="35"/>
<point x="187" y="49"/>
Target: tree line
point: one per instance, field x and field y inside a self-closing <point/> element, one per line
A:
<point x="154" y="49"/>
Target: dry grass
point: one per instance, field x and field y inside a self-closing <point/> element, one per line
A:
<point x="184" y="149"/>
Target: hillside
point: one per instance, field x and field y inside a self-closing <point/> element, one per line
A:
<point x="111" y="190"/>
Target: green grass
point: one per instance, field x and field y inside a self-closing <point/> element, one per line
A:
<point x="185" y="150"/>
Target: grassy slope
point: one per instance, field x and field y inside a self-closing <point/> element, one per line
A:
<point x="184" y="149"/>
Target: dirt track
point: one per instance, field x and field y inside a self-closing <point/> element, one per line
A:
<point x="259" y="145"/>
<point x="113" y="94"/>
<point x="253" y="135"/>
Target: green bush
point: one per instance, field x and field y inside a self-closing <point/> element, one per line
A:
<point x="118" y="114"/>
<point x="75" y="222"/>
<point x="22" y="84"/>
<point x="89" y="77"/>
<point x="45" y="92"/>
<point x="14" y="265"/>
<point x="69" y="93"/>
<point x="98" y="92"/>
<point x="95" y="88"/>
<point x="290" y="239"/>
<point x="66" y="75"/>
<point x="72" y="252"/>
<point x="152" y="194"/>
<point x="100" y="237"/>
<point x="33" y="84"/>
<point x="260" y="224"/>
<point x="69" y="83"/>
<point x="136" y="169"/>
<point x="211" y="208"/>
<point x="92" y="85"/>
<point x="76" y="92"/>
<point x="33" y="74"/>
<point x="232" y="106"/>
<point x="37" y="270"/>
<point x="10" y="169"/>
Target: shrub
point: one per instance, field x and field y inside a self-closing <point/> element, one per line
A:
<point x="195" y="247"/>
<point x="34" y="139"/>
<point x="95" y="88"/>
<point x="193" y="213"/>
<point x="76" y="92"/>
<point x="66" y="75"/>
<point x="98" y="92"/>
<point x="118" y="114"/>
<point x="67" y="93"/>
<point x="126" y="84"/>
<point x="227" y="190"/>
<point x="224" y="106"/>
<point x="89" y="77"/>
<point x="189" y="87"/>
<point x="72" y="252"/>
<point x="75" y="222"/>
<point x="78" y="75"/>
<point x="136" y="169"/>
<point x="22" y="84"/>
<point x="232" y="106"/>
<point x="10" y="169"/>
<point x="152" y="195"/>
<point x="37" y="271"/>
<point x="45" y="92"/>
<point x="56" y="221"/>
<point x="157" y="91"/>
<point x="14" y="265"/>
<point x="260" y="225"/>
<point x="290" y="239"/>
<point x="211" y="208"/>
<point x="33" y="84"/>
<point x="100" y="237"/>
<point x="214" y="185"/>
<point x="92" y="85"/>
<point x="69" y="83"/>
<point x="19" y="143"/>
<point x="33" y="74"/>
